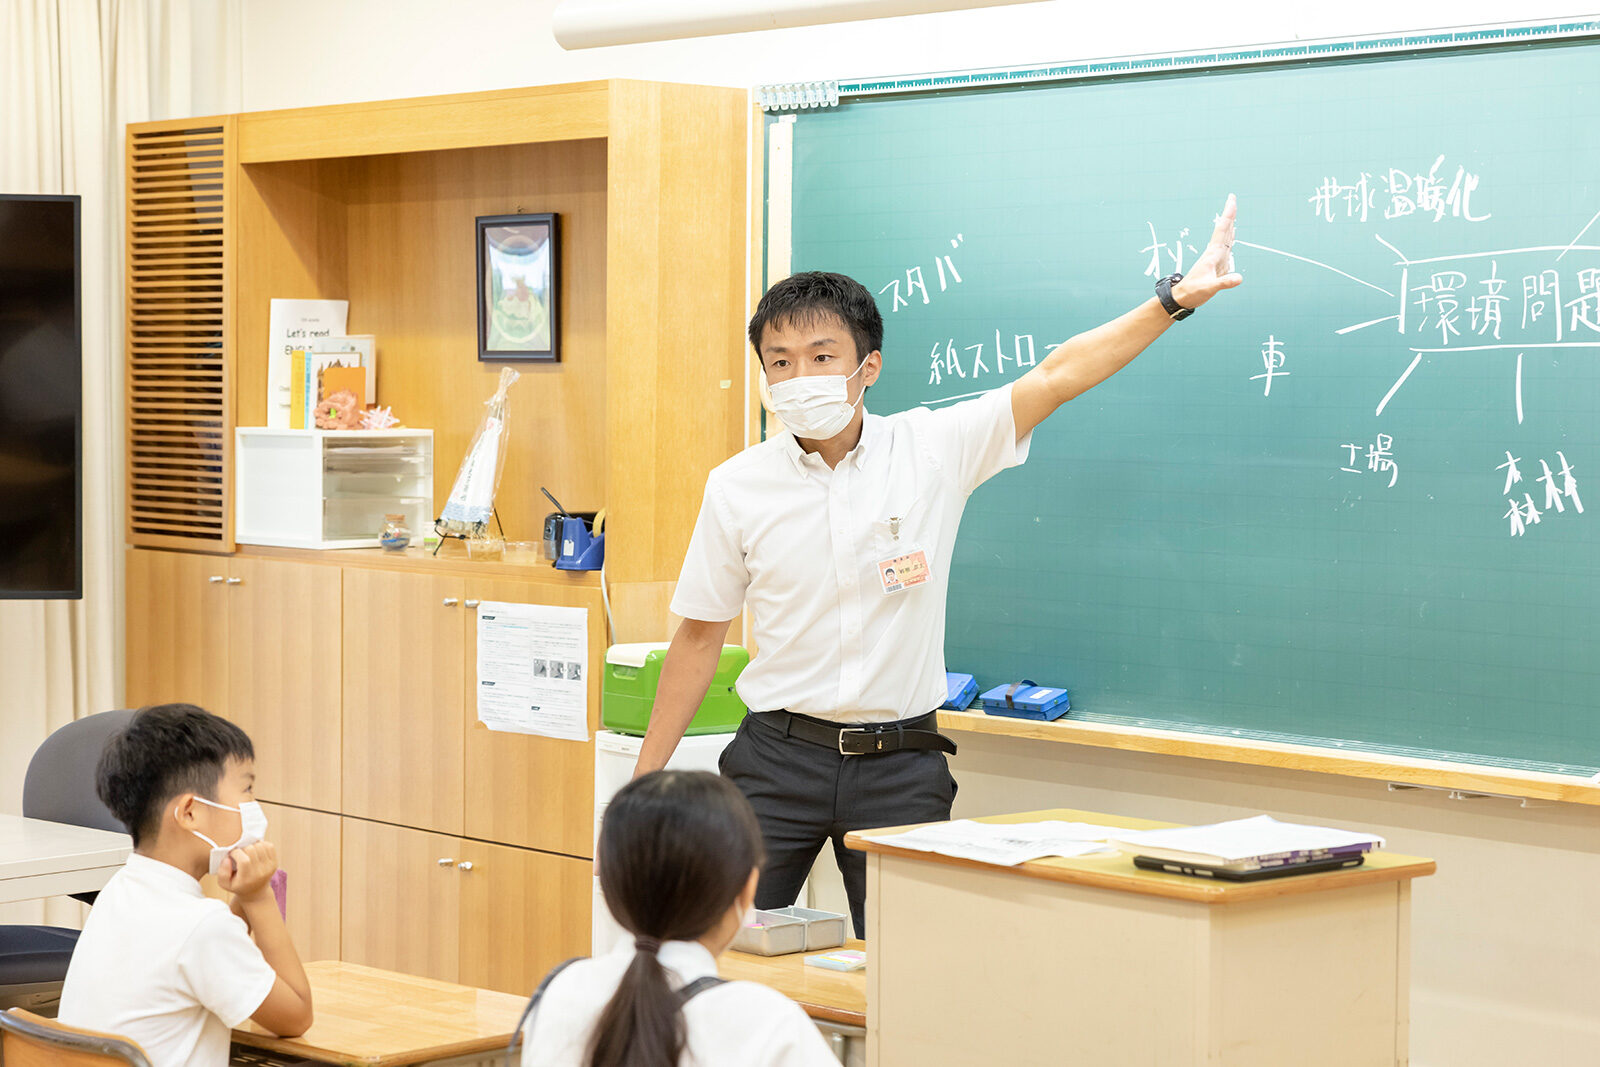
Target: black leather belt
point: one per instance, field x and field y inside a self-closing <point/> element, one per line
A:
<point x="870" y="739"/>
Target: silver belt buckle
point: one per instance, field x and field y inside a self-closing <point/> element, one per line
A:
<point x="857" y="733"/>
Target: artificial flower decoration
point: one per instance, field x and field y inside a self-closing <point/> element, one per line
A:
<point x="338" y="411"/>
<point x="378" y="419"/>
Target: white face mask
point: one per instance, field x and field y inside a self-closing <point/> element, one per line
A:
<point x="252" y="828"/>
<point x="813" y="406"/>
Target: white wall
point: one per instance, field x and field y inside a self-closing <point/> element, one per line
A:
<point x="303" y="52"/>
<point x="1506" y="937"/>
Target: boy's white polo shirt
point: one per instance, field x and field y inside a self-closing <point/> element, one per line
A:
<point x="801" y="544"/>
<point x="736" y="1024"/>
<point x="161" y="963"/>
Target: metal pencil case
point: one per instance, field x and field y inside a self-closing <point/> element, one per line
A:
<point x="824" y="929"/>
<point x="770" y="933"/>
<point x="1026" y="700"/>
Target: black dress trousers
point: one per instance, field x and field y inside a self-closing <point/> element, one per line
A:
<point x="805" y="794"/>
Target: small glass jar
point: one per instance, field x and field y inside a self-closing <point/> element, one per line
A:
<point x="396" y="535"/>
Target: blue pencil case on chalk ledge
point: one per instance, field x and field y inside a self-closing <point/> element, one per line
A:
<point x="1025" y="700"/>
<point x="961" y="688"/>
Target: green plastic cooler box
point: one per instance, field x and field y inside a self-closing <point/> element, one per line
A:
<point x="634" y="671"/>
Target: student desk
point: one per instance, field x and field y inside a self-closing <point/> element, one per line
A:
<point x="835" y="1000"/>
<point x="1092" y="960"/>
<point x="374" y="1018"/>
<point x="47" y="859"/>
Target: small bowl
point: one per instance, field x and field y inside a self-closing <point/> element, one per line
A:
<point x="486" y="548"/>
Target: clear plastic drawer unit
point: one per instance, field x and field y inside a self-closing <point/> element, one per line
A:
<point x="330" y="488"/>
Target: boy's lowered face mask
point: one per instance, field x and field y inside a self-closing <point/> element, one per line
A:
<point x="252" y="828"/>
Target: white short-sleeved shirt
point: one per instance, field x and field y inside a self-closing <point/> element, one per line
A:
<point x="161" y="963"/>
<point x="736" y="1024"/>
<point x="801" y="544"/>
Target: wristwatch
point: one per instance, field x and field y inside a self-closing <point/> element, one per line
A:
<point x="1164" y="294"/>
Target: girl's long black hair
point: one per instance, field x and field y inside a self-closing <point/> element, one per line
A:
<point x="676" y="850"/>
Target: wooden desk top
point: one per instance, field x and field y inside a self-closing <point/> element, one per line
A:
<point x="833" y="996"/>
<point x="376" y="1018"/>
<point x="1116" y="870"/>
<point x="36" y="853"/>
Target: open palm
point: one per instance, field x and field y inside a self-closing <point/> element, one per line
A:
<point x="1213" y="271"/>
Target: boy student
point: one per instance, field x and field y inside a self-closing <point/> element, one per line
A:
<point x="159" y="962"/>
<point x="803" y="529"/>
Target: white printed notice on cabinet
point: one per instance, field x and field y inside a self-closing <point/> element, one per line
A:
<point x="531" y="664"/>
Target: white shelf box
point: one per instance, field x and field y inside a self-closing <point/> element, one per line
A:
<point x="329" y="488"/>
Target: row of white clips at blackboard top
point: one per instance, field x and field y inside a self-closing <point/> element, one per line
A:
<point x="1019" y="700"/>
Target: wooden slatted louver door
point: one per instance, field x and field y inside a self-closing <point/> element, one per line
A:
<point x="179" y="333"/>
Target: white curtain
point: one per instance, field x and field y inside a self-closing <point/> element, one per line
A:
<point x="73" y="73"/>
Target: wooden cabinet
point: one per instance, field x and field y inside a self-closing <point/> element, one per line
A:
<point x="177" y="629"/>
<point x="522" y="912"/>
<point x="354" y="672"/>
<point x="401" y="899"/>
<point x="403" y="678"/>
<point x="414" y="838"/>
<point x="365" y="202"/>
<point x="255" y="641"/>
<point x="532" y="791"/>
<point x="309" y="854"/>
<point x="485" y="915"/>
<point x="283" y="683"/>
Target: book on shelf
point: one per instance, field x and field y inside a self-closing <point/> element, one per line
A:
<point x="329" y="366"/>
<point x="296" y="324"/>
<point x="364" y="345"/>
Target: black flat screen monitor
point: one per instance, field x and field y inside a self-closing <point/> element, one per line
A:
<point x="41" y="399"/>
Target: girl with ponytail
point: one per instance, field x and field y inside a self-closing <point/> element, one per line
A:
<point x="679" y="856"/>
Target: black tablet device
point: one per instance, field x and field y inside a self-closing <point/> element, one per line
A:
<point x="1200" y="870"/>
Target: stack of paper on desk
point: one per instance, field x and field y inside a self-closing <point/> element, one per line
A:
<point x="1245" y="844"/>
<point x="1005" y="844"/>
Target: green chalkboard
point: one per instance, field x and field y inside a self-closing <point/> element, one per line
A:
<point x="1290" y="519"/>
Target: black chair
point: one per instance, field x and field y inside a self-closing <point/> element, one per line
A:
<point x="59" y="787"/>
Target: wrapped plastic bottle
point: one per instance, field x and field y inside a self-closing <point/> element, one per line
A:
<point x="471" y="503"/>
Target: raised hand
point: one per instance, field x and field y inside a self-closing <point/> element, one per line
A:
<point x="246" y="871"/>
<point x="1213" y="271"/>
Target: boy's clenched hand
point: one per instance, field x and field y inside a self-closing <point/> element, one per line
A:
<point x="246" y="871"/>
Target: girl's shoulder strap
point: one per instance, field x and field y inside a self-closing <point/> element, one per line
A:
<point x="533" y="1005"/>
<point x="698" y="986"/>
<point x="686" y="994"/>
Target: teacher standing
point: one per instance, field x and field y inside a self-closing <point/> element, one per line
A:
<point x="837" y="533"/>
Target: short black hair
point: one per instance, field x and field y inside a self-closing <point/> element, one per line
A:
<point x="166" y="750"/>
<point x="801" y="299"/>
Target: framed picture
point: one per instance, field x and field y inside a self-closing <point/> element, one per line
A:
<point x="518" y="268"/>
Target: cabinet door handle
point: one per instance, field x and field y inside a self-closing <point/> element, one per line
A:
<point x="450" y="601"/>
<point x="464" y="865"/>
<point x="445" y="861"/>
<point x="215" y="579"/>
<point x="471" y="604"/>
<point x="235" y="581"/>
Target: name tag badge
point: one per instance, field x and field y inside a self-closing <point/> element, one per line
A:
<point x="907" y="569"/>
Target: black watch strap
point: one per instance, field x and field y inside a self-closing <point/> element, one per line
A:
<point x="1164" y="294"/>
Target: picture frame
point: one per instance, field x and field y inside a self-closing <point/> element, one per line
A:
<point x="519" y="269"/>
